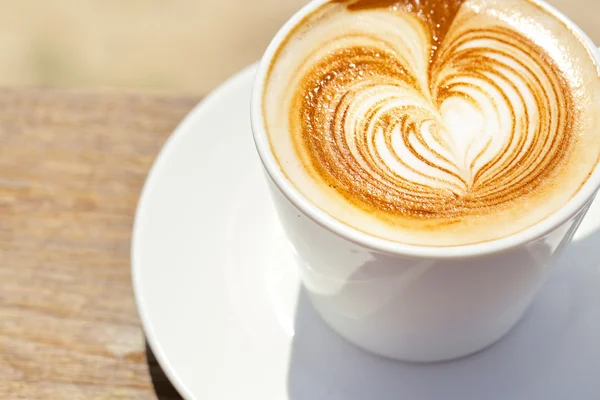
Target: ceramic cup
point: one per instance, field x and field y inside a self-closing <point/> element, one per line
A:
<point x="408" y="302"/>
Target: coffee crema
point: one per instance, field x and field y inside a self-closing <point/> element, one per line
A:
<point x="436" y="123"/>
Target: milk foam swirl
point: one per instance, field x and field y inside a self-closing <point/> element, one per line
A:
<point x="434" y="116"/>
<point x="476" y="124"/>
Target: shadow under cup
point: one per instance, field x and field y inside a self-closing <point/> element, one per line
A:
<point x="413" y="304"/>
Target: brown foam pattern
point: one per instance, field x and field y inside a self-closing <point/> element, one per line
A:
<point x="375" y="125"/>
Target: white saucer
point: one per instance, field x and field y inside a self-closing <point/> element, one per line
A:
<point x="221" y="306"/>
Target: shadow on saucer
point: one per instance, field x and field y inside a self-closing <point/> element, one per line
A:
<point x="554" y="351"/>
<point x="162" y="386"/>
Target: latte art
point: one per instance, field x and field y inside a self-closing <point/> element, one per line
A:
<point x="432" y="119"/>
<point x="485" y="123"/>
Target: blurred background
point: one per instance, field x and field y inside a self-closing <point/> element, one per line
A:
<point x="183" y="46"/>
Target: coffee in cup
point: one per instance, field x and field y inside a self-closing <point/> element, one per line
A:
<point x="434" y="123"/>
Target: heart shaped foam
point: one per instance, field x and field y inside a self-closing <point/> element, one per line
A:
<point x="425" y="113"/>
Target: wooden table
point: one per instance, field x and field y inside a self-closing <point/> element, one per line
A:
<point x="72" y="165"/>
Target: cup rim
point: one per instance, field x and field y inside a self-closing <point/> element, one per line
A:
<point x="537" y="231"/>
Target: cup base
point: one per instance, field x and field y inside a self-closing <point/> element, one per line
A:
<point x="418" y="348"/>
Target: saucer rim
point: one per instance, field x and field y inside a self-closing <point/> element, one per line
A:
<point x="165" y="153"/>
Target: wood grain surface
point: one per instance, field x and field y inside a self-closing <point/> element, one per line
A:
<point x="72" y="165"/>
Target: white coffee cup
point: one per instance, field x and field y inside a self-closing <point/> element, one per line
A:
<point x="409" y="302"/>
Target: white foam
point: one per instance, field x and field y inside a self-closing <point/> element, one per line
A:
<point x="462" y="136"/>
